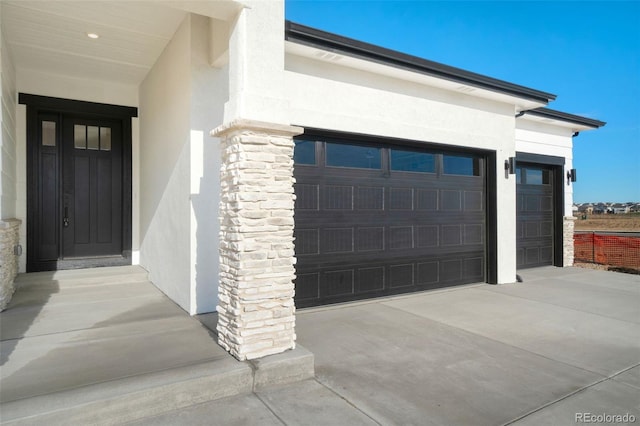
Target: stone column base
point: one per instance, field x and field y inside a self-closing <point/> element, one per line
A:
<point x="9" y="238"/>
<point x="568" y="225"/>
<point x="256" y="312"/>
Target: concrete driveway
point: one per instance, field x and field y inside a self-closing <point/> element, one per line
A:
<point x="564" y="343"/>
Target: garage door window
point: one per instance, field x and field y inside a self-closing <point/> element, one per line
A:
<point x="305" y="152"/>
<point x="530" y="176"/>
<point x="356" y="156"/>
<point x="411" y="161"/>
<point x="463" y="165"/>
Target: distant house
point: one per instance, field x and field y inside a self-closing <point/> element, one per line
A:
<point x="619" y="208"/>
<point x="584" y="208"/>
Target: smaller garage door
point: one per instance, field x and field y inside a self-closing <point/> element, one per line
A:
<point x="535" y="213"/>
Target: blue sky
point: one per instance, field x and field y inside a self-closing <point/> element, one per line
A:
<point x="586" y="53"/>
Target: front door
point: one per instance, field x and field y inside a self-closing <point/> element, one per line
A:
<point x="79" y="184"/>
<point x="91" y="188"/>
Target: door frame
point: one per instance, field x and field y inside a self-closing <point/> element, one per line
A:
<point x="37" y="105"/>
<point x="556" y="164"/>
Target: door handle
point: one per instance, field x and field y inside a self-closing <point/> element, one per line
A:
<point x="65" y="221"/>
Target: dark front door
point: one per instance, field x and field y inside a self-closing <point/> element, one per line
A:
<point x="79" y="184"/>
<point x="92" y="188"/>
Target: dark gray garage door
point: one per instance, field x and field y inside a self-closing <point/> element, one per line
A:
<point x="534" y="216"/>
<point x="374" y="220"/>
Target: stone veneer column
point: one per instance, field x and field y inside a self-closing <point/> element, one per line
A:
<point x="567" y="240"/>
<point x="8" y="259"/>
<point x="256" y="312"/>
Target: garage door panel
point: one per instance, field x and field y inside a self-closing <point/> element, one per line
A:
<point x="336" y="240"/>
<point x="338" y="197"/>
<point x="473" y="268"/>
<point x="546" y="204"/>
<point x="338" y="283"/>
<point x="370" y="198"/>
<point x="427" y="199"/>
<point x="400" y="237"/>
<point x="451" y="235"/>
<point x="370" y="279"/>
<point x="401" y="275"/>
<point x="473" y="234"/>
<point x="428" y="273"/>
<point x="307" y="242"/>
<point x="352" y="280"/>
<point x="400" y="198"/>
<point x="370" y="239"/>
<point x="427" y="236"/>
<point x="473" y="201"/>
<point x="307" y="197"/>
<point x="308" y="286"/>
<point x="450" y="200"/>
<point x="532" y="203"/>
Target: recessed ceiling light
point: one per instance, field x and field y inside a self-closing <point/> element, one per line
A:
<point x="93" y="35"/>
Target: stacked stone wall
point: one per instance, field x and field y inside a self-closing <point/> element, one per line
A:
<point x="256" y="312"/>
<point x="9" y="237"/>
<point x="567" y="240"/>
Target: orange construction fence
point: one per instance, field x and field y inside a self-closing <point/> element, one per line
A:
<point x="608" y="248"/>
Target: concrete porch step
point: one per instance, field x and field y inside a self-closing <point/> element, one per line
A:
<point x="137" y="397"/>
<point x="83" y="277"/>
<point x="104" y="346"/>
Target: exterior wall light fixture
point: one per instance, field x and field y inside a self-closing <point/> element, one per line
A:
<point x="510" y="166"/>
<point x="572" y="176"/>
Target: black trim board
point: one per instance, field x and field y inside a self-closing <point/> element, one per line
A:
<point x="564" y="116"/>
<point x="75" y="106"/>
<point x="491" y="197"/>
<point x="558" y="217"/>
<point x="338" y="44"/>
<point x="525" y="157"/>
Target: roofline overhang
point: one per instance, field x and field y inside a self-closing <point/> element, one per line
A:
<point x="565" y="117"/>
<point x="313" y="37"/>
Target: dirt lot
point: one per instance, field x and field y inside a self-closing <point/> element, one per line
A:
<point x="609" y="222"/>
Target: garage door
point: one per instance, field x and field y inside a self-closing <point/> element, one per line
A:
<point x="534" y="216"/>
<point x="374" y="220"/>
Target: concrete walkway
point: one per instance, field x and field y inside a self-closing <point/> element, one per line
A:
<point x="563" y="342"/>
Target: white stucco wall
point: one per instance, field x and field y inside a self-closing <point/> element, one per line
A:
<point x="256" y="64"/>
<point x="331" y="96"/>
<point x="181" y="99"/>
<point x="209" y="92"/>
<point x="547" y="139"/>
<point x="8" y="171"/>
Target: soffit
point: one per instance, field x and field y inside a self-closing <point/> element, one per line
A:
<point x="52" y="35"/>
<point x="573" y="126"/>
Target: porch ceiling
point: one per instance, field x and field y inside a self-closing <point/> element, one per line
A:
<point x="52" y="35"/>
